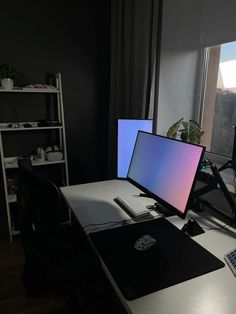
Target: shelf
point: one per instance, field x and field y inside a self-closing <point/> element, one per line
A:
<point x="30" y="90"/>
<point x="36" y="163"/>
<point x="51" y="96"/>
<point x="42" y="163"/>
<point x="31" y="129"/>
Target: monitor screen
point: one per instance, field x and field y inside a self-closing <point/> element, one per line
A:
<point x="127" y="133"/>
<point x="166" y="169"/>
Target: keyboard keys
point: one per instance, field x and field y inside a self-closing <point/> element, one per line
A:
<point x="133" y="206"/>
<point x="230" y="258"/>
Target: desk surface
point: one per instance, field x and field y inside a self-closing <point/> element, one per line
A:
<point x="214" y="292"/>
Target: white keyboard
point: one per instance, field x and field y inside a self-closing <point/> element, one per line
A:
<point x="133" y="206"/>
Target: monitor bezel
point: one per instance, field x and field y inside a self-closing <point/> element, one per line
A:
<point x="156" y="197"/>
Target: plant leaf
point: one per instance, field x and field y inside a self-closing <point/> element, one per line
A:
<point x="172" y="131"/>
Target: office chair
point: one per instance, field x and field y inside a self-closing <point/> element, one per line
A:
<point x="56" y="258"/>
<point x="25" y="163"/>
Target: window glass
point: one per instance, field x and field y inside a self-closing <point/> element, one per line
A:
<point x="219" y="113"/>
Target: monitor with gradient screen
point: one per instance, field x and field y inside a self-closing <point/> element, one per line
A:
<point x="127" y="133"/>
<point x="165" y="168"/>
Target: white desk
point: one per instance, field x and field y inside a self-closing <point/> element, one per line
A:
<point x="211" y="293"/>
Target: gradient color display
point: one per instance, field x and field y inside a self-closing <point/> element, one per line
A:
<point x="165" y="167"/>
<point x="127" y="133"/>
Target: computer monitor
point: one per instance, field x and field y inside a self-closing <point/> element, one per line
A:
<point x="165" y="169"/>
<point x="127" y="130"/>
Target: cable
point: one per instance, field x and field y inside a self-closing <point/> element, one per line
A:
<point x="121" y="222"/>
<point x="217" y="228"/>
<point x="214" y="228"/>
<point x="142" y="195"/>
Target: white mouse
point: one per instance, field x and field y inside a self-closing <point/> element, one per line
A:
<point x="144" y="243"/>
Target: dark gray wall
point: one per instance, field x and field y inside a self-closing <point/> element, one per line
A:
<point x="70" y="37"/>
<point x="73" y="38"/>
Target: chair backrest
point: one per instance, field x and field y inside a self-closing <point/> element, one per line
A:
<point x="40" y="201"/>
<point x="25" y="163"/>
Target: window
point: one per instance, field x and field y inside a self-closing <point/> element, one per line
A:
<point x="219" y="101"/>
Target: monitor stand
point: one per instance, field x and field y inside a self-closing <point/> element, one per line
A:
<point x="213" y="182"/>
<point x="231" y="163"/>
<point x="161" y="210"/>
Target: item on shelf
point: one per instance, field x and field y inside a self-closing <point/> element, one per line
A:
<point x="40" y="86"/>
<point x="11" y="186"/>
<point x="45" y="123"/>
<point x="3" y="125"/>
<point x="7" y="75"/>
<point x="55" y="123"/>
<point x="41" y="153"/>
<point x="53" y="153"/>
<point x="13" y="125"/>
<point x="34" y="124"/>
<point x="35" y="158"/>
<point x="8" y="161"/>
<point x="27" y="125"/>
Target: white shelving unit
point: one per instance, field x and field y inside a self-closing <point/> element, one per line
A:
<point x="31" y="90"/>
<point x="31" y="129"/>
<point x="10" y="199"/>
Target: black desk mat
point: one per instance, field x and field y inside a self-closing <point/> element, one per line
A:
<point x="174" y="258"/>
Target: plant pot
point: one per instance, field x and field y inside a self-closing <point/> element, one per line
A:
<point x="7" y="83"/>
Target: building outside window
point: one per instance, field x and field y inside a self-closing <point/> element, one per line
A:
<point x="219" y="101"/>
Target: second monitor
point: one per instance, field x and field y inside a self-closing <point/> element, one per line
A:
<point x="165" y="169"/>
<point x="127" y="130"/>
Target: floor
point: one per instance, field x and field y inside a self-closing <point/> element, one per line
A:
<point x="12" y="295"/>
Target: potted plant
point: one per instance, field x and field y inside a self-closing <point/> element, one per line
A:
<point x="191" y="131"/>
<point x="8" y="74"/>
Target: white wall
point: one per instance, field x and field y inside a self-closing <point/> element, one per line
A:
<point x="188" y="26"/>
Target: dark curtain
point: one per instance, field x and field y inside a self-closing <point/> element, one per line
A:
<point x="135" y="28"/>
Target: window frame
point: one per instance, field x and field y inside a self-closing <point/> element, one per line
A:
<point x="219" y="159"/>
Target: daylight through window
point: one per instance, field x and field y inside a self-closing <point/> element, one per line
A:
<point x="219" y="113"/>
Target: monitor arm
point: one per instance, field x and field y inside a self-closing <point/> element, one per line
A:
<point x="231" y="163"/>
<point x="213" y="182"/>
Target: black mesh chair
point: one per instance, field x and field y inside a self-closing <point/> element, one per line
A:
<point x="57" y="258"/>
<point x="25" y="163"/>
